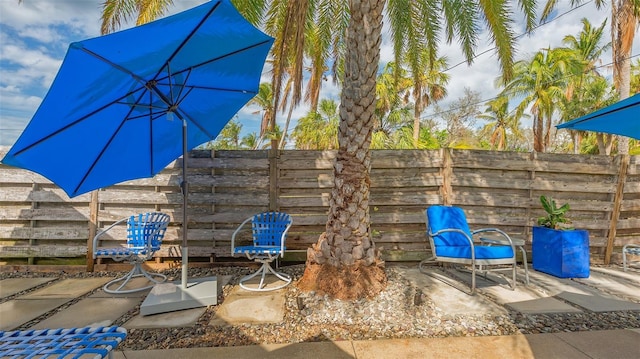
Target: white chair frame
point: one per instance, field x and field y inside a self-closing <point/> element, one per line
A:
<point x="135" y="255"/>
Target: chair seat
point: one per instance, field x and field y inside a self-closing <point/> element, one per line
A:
<point x="633" y="250"/>
<point x="257" y="250"/>
<point x="120" y="252"/>
<point x="481" y="252"/>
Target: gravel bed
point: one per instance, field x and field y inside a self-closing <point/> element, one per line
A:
<point x="400" y="311"/>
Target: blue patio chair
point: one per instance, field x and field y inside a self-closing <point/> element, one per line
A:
<point x="144" y="236"/>
<point x="268" y="235"/>
<point x="452" y="241"/>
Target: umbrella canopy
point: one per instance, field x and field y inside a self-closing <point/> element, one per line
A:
<point x="124" y="105"/>
<point x="621" y="118"/>
<point x="116" y="108"/>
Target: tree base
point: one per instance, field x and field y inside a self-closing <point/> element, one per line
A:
<point x="345" y="282"/>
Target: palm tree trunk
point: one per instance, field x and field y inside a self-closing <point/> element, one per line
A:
<point x="283" y="140"/>
<point x="538" y="143"/>
<point x="344" y="263"/>
<point x="416" y="125"/>
<point x="623" y="90"/>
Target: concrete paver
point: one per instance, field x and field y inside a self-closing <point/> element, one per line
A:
<point x="32" y="305"/>
<point x="527" y="300"/>
<point x="542" y="305"/>
<point x="242" y="306"/>
<point x="318" y="350"/>
<point x="68" y="288"/>
<point x="620" y="344"/>
<point x="17" y="312"/>
<point x="551" y="346"/>
<point x="617" y="283"/>
<point x="90" y="312"/>
<point x="181" y="318"/>
<point x="598" y="303"/>
<point x="514" y="346"/>
<point x="11" y="286"/>
<point x="446" y="297"/>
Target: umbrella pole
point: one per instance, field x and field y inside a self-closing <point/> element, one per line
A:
<point x="185" y="194"/>
<point x="202" y="291"/>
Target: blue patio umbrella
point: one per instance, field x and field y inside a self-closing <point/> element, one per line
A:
<point x="125" y="105"/>
<point x="621" y="118"/>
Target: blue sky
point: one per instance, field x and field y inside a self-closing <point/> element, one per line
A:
<point x="34" y="37"/>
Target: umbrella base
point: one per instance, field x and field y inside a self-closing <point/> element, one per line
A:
<point x="170" y="297"/>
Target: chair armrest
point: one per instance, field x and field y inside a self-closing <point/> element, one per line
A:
<point x="453" y="230"/>
<point x="282" y="239"/>
<point x="493" y="230"/>
<point x="97" y="236"/>
<point x="233" y="236"/>
<point x="500" y="232"/>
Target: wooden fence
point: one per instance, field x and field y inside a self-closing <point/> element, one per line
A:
<point x="497" y="189"/>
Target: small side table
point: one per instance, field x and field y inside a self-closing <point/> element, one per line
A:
<point x="88" y="342"/>
<point x="519" y="243"/>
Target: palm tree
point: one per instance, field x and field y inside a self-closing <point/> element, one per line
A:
<point x="541" y="82"/>
<point x="625" y="15"/>
<point x="392" y="92"/>
<point x="635" y="77"/>
<point x="344" y="262"/>
<point x="429" y="83"/>
<point x="318" y="130"/>
<point x="501" y="122"/>
<point x="264" y="99"/>
<point x="587" y="49"/>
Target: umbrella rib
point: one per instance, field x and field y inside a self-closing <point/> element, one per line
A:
<point x="62" y="129"/>
<point x="187" y="38"/>
<point x="116" y="66"/>
<point x="104" y="148"/>
<point x="606" y="113"/>
<point x="220" y="89"/>
<point x="222" y="57"/>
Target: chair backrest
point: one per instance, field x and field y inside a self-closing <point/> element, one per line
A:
<point x="269" y="228"/>
<point x="145" y="225"/>
<point x="442" y="217"/>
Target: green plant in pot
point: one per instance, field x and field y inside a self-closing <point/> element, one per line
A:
<point x="557" y="248"/>
<point x="555" y="217"/>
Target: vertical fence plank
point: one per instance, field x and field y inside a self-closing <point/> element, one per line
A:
<point x="623" y="161"/>
<point x="93" y="227"/>
<point x="447" y="174"/>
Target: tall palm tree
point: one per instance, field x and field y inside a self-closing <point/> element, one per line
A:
<point x="344" y="262"/>
<point x="392" y="92"/>
<point x="501" y="122"/>
<point x="429" y="86"/>
<point x="264" y="99"/>
<point x="541" y="82"/>
<point x="588" y="49"/>
<point x="625" y="16"/>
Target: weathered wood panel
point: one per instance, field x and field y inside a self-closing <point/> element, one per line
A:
<point x="496" y="189"/>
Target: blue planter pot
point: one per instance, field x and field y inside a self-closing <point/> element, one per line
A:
<point x="562" y="253"/>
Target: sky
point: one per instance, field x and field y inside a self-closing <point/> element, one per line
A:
<point x="35" y="34"/>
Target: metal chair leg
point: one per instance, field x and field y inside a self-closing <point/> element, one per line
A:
<point x="136" y="271"/>
<point x="262" y="272"/>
